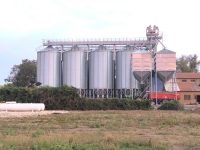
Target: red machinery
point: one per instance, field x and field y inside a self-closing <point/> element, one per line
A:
<point x="161" y="96"/>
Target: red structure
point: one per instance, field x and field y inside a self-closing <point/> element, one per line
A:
<point x="161" y="96"/>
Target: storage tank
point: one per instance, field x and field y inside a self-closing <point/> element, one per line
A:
<point x="75" y="72"/>
<point x="101" y="72"/>
<point x="49" y="67"/>
<point x="22" y="106"/>
<point x="126" y="83"/>
<point x="141" y="65"/>
<point x="165" y="64"/>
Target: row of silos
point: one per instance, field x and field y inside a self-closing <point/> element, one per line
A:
<point x="95" y="71"/>
<point x="97" y="74"/>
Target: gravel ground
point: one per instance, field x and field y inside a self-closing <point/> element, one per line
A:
<point x="4" y="114"/>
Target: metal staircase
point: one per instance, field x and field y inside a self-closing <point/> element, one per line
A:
<point x="143" y="93"/>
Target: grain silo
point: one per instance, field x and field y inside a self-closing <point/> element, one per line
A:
<point x="141" y="65"/>
<point x="166" y="68"/>
<point x="125" y="84"/>
<point x="101" y="72"/>
<point x="75" y="73"/>
<point x="165" y="64"/>
<point x="49" y="67"/>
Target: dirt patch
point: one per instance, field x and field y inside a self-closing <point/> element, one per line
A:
<point x="179" y="147"/>
<point x="197" y="110"/>
<point x="4" y="114"/>
<point x="193" y="108"/>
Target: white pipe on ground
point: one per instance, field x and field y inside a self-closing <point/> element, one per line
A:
<point x="22" y="107"/>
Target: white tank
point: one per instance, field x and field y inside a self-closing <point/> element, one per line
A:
<point x="22" y="107"/>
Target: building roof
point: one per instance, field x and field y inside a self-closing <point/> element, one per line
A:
<point x="165" y="51"/>
<point x="188" y="86"/>
<point x="187" y="75"/>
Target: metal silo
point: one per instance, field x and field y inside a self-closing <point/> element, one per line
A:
<point x="49" y="67"/>
<point x="75" y="72"/>
<point x="141" y="65"/>
<point x="165" y="64"/>
<point x="101" y="72"/>
<point x="126" y="84"/>
<point x="166" y="68"/>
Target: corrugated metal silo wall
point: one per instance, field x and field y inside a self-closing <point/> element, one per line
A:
<point x="75" y="69"/>
<point x="124" y="76"/>
<point x="49" y="67"/>
<point x="101" y="69"/>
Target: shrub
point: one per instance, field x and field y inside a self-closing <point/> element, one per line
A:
<point x="171" y="105"/>
<point x="66" y="98"/>
<point x="112" y="104"/>
<point x="14" y="94"/>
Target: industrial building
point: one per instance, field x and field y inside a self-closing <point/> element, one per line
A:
<point x="107" y="68"/>
<point x="189" y="87"/>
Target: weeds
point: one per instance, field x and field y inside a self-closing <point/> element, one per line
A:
<point x="102" y="130"/>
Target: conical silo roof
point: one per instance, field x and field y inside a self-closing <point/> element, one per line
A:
<point x="166" y="51"/>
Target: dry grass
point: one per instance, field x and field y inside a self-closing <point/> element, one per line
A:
<point x="103" y="130"/>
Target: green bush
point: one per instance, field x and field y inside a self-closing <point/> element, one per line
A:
<point x="112" y="104"/>
<point x="66" y="98"/>
<point x="171" y="105"/>
<point x="13" y="94"/>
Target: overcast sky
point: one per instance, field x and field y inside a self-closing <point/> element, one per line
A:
<point x="25" y="23"/>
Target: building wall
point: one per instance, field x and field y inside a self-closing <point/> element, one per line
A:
<point x="197" y="81"/>
<point x="184" y="97"/>
<point x="190" y="97"/>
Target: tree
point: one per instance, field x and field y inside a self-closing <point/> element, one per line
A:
<point x="188" y="63"/>
<point x="23" y="74"/>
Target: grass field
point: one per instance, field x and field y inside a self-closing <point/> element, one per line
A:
<point x="102" y="130"/>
